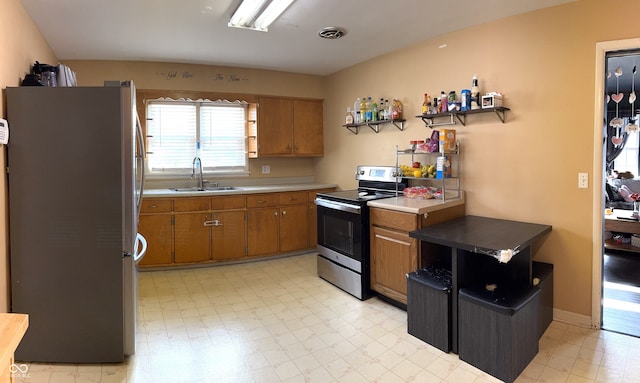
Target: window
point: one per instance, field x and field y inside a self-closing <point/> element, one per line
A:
<point x="176" y="127"/>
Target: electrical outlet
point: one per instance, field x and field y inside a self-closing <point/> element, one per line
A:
<point x="266" y="169"/>
<point x="583" y="180"/>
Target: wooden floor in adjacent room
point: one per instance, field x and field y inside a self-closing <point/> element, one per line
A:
<point x="621" y="293"/>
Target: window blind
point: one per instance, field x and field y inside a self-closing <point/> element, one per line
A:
<point x="222" y="137"/>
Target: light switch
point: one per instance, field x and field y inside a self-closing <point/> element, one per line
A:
<point x="583" y="180"/>
<point x="266" y="169"/>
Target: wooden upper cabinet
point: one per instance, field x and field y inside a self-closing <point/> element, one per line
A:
<point x="290" y="127"/>
<point x="308" y="131"/>
<point x="275" y="126"/>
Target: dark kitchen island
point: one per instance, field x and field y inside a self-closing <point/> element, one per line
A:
<point x="482" y="254"/>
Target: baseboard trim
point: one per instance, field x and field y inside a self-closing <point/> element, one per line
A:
<point x="572" y="318"/>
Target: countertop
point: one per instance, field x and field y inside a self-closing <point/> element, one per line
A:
<point x="482" y="234"/>
<point x="12" y="329"/>
<point x="160" y="192"/>
<point x="414" y="205"/>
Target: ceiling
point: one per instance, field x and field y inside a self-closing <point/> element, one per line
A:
<point x="195" y="31"/>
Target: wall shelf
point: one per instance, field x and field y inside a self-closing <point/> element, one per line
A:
<point x="454" y="158"/>
<point x="375" y="125"/>
<point x="461" y="116"/>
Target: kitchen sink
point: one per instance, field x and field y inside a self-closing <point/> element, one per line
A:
<point x="205" y="189"/>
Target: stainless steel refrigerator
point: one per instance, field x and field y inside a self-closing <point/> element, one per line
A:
<point x="75" y="174"/>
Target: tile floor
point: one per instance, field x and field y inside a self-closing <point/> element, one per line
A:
<point x="276" y="321"/>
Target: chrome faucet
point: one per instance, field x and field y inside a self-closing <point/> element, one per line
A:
<point x="197" y="163"/>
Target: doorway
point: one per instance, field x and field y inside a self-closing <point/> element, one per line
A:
<point x="620" y="300"/>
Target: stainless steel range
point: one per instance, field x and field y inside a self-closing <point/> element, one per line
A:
<point x="343" y="228"/>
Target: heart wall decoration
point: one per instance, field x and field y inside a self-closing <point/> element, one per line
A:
<point x="617" y="97"/>
<point x="617" y="122"/>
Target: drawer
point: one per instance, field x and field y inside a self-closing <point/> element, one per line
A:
<point x="191" y="204"/>
<point x="393" y="219"/>
<point x="155" y="205"/>
<point x="293" y="198"/>
<point x="228" y="202"/>
<point x="262" y="200"/>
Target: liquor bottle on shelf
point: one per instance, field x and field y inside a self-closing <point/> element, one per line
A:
<point x="389" y="107"/>
<point x="475" y="93"/>
<point x="444" y="105"/>
<point x="396" y="112"/>
<point x="425" y="104"/>
<point x="382" y="110"/>
<point x="367" y="114"/>
<point x="349" y="117"/>
<point x="363" y="109"/>
<point x="374" y="111"/>
<point x="356" y="109"/>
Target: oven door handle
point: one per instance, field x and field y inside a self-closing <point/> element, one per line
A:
<point x="338" y="205"/>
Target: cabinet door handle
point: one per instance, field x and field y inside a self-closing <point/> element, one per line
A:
<point x="275" y="212"/>
<point x="292" y="198"/>
<point x="284" y="212"/>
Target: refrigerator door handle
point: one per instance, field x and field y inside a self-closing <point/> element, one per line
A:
<point x="140" y="239"/>
<point x="141" y="165"/>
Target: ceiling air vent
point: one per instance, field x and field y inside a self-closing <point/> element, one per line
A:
<point x="332" y="33"/>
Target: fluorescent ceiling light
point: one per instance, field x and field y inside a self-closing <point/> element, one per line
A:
<point x="258" y="14"/>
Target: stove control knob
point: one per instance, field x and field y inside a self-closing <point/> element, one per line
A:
<point x="360" y="172"/>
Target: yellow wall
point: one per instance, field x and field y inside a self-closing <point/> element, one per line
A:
<point x="21" y="44"/>
<point x="544" y="64"/>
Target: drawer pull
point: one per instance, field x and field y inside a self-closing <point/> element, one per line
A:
<point x="153" y="206"/>
<point x="215" y="222"/>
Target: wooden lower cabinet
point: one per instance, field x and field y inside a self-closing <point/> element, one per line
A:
<point x="294" y="228"/>
<point x="192" y="238"/>
<point x="158" y="231"/>
<point x="228" y="235"/>
<point x="262" y="232"/>
<point x="156" y="225"/>
<point x="192" y="230"/>
<point x="294" y="221"/>
<point x="228" y="228"/>
<point x="393" y="254"/>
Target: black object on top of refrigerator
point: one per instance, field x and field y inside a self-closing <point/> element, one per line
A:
<point x="76" y="170"/>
